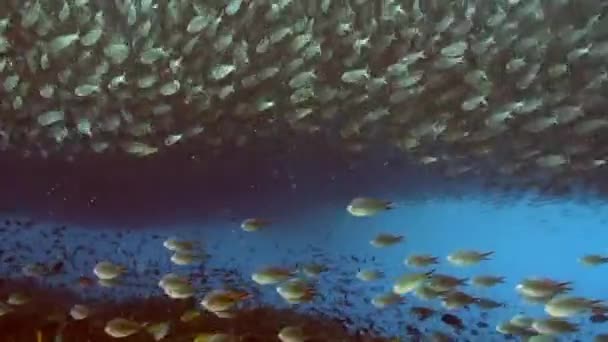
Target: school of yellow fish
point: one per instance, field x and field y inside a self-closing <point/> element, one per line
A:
<point x="298" y="285"/>
<point x="473" y="86"/>
<point x="429" y="285"/>
<point x="221" y="302"/>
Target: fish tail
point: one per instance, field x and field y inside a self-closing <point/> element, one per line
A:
<point x="486" y="256"/>
<point x="430" y="273"/>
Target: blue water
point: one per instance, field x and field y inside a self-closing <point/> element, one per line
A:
<point x="122" y="211"/>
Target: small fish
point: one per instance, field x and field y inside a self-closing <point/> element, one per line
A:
<point x="488" y="304"/>
<point x="106" y="270"/>
<point x="92" y="37"/>
<point x="384" y="300"/>
<point x="223" y="300"/>
<point x="313" y="270"/>
<point x="367" y="206"/>
<point x="62" y="42"/>
<point x="296" y="290"/>
<point x="272" y="275"/>
<point x="178" y="245"/>
<point x="487" y="281"/>
<point x="152" y="55"/>
<point x="214" y="337"/>
<point x="467" y="257"/>
<point x="79" y="312"/>
<point x="386" y="240"/>
<point x="410" y="282"/>
<point x="220" y="72"/>
<point x="254" y="224"/>
<point x="369" y="275"/>
<point x="186" y="258"/>
<point x="121" y="327"/>
<point x="593" y="260"/>
<point x="139" y="149"/>
<point x="554" y="326"/>
<point x="172" y="139"/>
<point x="421" y="260"/>
<point x="51" y="117"/>
<point x="355" y="76"/>
<point x="292" y="334"/>
<point x="117" y="52"/>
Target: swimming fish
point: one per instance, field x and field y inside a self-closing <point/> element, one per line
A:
<point x="106" y="270"/>
<point x="367" y="206"/>
<point x="272" y="275"/>
<point x="409" y="282"/>
<point x="254" y="224"/>
<point x="467" y="257"/>
<point x="593" y="260"/>
<point x="385" y="240"/>
<point x="368" y="275"/>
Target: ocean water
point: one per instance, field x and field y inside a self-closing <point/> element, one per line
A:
<point x="84" y="212"/>
<point x="481" y="87"/>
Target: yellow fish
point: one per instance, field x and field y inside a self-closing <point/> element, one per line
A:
<point x="367" y="206"/>
<point x="254" y="224"/>
<point x="593" y="260"/>
<point x="223" y="300"/>
<point x="386" y="240"/>
<point x="214" y="337"/>
<point x="271" y="275"/>
<point x="410" y="282"/>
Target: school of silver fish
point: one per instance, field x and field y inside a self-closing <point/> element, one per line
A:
<point x="473" y="86"/>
